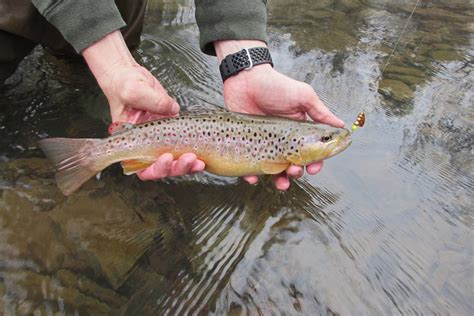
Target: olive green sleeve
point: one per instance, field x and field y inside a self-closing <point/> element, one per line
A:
<point x="81" y="22"/>
<point x="230" y="20"/>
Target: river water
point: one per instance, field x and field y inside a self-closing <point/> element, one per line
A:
<point x="385" y="228"/>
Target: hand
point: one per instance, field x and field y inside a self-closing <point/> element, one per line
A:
<point x="136" y="96"/>
<point x="262" y="90"/>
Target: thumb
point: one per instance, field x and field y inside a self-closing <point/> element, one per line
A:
<point x="141" y="96"/>
<point x="317" y="110"/>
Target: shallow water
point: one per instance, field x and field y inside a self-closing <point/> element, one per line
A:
<point x="385" y="228"/>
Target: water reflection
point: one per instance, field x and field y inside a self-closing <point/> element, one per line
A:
<point x="149" y="244"/>
<point x="375" y="26"/>
<point x="215" y="231"/>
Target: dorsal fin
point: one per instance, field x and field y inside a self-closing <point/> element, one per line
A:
<point x="119" y="127"/>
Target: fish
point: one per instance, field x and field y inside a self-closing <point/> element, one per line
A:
<point x="231" y="144"/>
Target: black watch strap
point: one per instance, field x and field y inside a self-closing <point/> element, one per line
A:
<point x="244" y="59"/>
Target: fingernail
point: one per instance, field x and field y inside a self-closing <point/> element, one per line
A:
<point x="175" y="107"/>
<point x="198" y="166"/>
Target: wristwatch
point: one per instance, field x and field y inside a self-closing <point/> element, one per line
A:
<point x="244" y="60"/>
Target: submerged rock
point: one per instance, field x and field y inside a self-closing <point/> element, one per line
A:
<point x="445" y="55"/>
<point x="403" y="70"/>
<point x="396" y="90"/>
<point x="27" y="292"/>
<point x="411" y="81"/>
<point x="90" y="288"/>
<point x="47" y="238"/>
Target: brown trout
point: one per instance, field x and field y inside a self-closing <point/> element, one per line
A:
<point x="231" y="144"/>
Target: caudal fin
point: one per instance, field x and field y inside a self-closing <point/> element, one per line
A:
<point x="72" y="159"/>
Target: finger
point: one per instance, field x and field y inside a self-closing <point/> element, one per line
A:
<point x="314" y="168"/>
<point x="251" y="179"/>
<point x="294" y="171"/>
<point x="133" y="116"/>
<point x="317" y="110"/>
<point x="141" y="96"/>
<point x="160" y="169"/>
<point x="183" y="165"/>
<point x="198" y="166"/>
<point x="281" y="181"/>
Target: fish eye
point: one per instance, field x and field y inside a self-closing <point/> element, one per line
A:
<point x="326" y="138"/>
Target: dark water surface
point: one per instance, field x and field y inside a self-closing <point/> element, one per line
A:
<point x="385" y="228"/>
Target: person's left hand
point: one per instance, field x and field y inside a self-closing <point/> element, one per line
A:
<point x="136" y="96"/>
<point x="263" y="90"/>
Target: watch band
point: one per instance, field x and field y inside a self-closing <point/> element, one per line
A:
<point x="244" y="59"/>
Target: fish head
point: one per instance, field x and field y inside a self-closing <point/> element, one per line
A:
<point x="316" y="144"/>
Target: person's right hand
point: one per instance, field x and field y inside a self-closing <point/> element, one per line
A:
<point x="136" y="96"/>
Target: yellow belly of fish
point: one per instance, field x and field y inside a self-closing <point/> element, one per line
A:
<point x="215" y="163"/>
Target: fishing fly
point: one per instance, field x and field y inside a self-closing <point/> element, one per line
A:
<point x="359" y="122"/>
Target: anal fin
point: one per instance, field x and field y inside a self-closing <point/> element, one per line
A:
<point x="134" y="165"/>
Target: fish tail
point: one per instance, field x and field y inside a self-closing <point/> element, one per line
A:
<point x="72" y="160"/>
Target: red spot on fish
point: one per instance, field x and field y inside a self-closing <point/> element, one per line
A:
<point x="112" y="127"/>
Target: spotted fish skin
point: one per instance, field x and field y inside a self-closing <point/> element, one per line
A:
<point x="230" y="144"/>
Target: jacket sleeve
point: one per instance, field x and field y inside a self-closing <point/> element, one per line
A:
<point x="230" y="20"/>
<point x="81" y="22"/>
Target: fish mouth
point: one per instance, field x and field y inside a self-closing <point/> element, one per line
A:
<point x="341" y="143"/>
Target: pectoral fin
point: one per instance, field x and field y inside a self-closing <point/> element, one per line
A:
<point x="134" y="165"/>
<point x="273" y="167"/>
<point x="294" y="159"/>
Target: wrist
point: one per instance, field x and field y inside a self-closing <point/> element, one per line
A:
<point x="107" y="54"/>
<point x="227" y="47"/>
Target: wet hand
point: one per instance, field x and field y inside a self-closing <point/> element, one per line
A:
<point x="263" y="90"/>
<point x="136" y="96"/>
